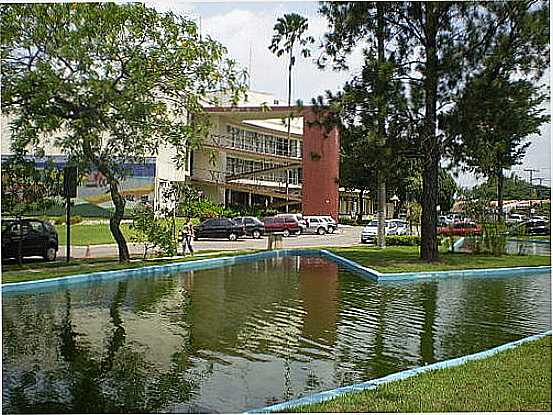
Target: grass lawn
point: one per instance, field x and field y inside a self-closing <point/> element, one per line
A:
<point x="514" y="380"/>
<point x="32" y="270"/>
<point x="98" y="234"/>
<point x="406" y="259"/>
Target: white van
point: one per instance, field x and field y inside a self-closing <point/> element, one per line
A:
<point x="317" y="224"/>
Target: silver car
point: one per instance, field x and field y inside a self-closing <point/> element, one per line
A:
<point x="317" y="224"/>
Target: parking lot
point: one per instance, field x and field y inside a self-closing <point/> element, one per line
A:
<point x="345" y="236"/>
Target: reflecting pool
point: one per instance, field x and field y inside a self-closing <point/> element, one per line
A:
<point x="242" y="337"/>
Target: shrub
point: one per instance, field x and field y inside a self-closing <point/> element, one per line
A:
<point x="61" y="220"/>
<point x="403" y="240"/>
<point x="153" y="232"/>
<point x="346" y="220"/>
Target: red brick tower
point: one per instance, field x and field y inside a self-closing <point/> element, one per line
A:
<point x="321" y="167"/>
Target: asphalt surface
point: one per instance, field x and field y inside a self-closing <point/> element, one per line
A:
<point x="345" y="236"/>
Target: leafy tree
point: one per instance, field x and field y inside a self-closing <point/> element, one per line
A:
<point x="152" y="231"/>
<point x="108" y="84"/>
<point x="447" y="189"/>
<point x="514" y="188"/>
<point x="491" y="124"/>
<point x="26" y="188"/>
<point x="289" y="33"/>
<point x="437" y="47"/>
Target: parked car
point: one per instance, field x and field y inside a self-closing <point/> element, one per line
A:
<point x="531" y="227"/>
<point x="370" y="232"/>
<point x="287" y="224"/>
<point x="298" y="216"/>
<point x="332" y="224"/>
<point x="252" y="226"/>
<point x="402" y="227"/>
<point x="460" y="229"/>
<point x="218" y="228"/>
<point x="515" y="218"/>
<point x="38" y="238"/>
<point x="318" y="225"/>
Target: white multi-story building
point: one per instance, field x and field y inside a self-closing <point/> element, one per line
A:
<point x="245" y="160"/>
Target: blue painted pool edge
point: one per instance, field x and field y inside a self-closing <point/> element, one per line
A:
<point x="361" y="270"/>
<point x="394" y="377"/>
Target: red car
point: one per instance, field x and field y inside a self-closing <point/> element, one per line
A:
<point x="460" y="229"/>
<point x="286" y="224"/>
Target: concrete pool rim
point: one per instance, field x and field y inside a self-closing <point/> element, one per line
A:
<point x="394" y="377"/>
<point x="362" y="271"/>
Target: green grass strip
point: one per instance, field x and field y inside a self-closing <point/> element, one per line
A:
<point x="406" y="259"/>
<point x="518" y="379"/>
<point x="33" y="271"/>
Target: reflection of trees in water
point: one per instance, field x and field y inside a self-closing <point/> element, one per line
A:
<point x="120" y="380"/>
<point x="428" y="297"/>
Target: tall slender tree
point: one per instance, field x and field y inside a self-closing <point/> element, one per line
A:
<point x="437" y="47"/>
<point x="290" y="31"/>
<point x="108" y="84"/>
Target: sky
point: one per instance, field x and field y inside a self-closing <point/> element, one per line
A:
<point x="246" y="29"/>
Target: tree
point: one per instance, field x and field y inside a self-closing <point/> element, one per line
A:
<point x="26" y="188"/>
<point x="492" y="138"/>
<point x="290" y="31"/>
<point x="109" y="84"/>
<point x="437" y="47"/>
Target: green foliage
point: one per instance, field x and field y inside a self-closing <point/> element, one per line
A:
<point x="109" y="84"/>
<point x="514" y="188"/>
<point x="403" y="240"/>
<point x="62" y="220"/>
<point x="26" y="188"/>
<point x="492" y="240"/>
<point x="152" y="231"/>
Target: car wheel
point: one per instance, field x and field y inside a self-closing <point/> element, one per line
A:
<point x="50" y="254"/>
<point x="321" y="231"/>
<point x="256" y="234"/>
<point x="286" y="233"/>
<point x="331" y="229"/>
<point x="232" y="237"/>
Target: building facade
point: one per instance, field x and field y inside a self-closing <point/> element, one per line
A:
<point x="247" y="159"/>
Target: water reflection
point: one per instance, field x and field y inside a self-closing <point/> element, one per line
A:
<point x="236" y="338"/>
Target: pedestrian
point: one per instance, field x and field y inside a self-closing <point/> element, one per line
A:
<point x="187" y="235"/>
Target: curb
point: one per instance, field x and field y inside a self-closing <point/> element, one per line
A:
<point x="365" y="272"/>
<point x="373" y="384"/>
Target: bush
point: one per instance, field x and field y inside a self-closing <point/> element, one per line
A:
<point x="403" y="240"/>
<point x="346" y="220"/>
<point x="153" y="231"/>
<point x="61" y="220"/>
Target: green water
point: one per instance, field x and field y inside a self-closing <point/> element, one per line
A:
<point x="242" y="337"/>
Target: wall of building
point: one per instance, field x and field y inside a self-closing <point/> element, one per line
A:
<point x="321" y="167"/>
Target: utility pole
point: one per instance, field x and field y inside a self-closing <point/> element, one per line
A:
<point x="531" y="171"/>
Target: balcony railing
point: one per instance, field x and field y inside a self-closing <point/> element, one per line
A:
<point x="259" y="146"/>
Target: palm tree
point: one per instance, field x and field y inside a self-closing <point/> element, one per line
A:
<point x="289" y="32"/>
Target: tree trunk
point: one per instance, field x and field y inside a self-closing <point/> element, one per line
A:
<point x="115" y="220"/>
<point x="360" y="212"/>
<point x="500" y="184"/>
<point x="429" y="217"/>
<point x="288" y="129"/>
<point x="381" y="233"/>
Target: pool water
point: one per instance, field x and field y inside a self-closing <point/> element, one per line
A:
<point x="236" y="338"/>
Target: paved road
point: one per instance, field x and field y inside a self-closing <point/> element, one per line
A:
<point x="346" y="236"/>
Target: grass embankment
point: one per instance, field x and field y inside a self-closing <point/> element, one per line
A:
<point x="98" y="234"/>
<point x="514" y="380"/>
<point x="32" y="271"/>
<point x="406" y="259"/>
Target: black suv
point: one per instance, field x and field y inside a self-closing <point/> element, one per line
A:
<point x="531" y="227"/>
<point x="37" y="238"/>
<point x="218" y="228"/>
<point x="252" y="226"/>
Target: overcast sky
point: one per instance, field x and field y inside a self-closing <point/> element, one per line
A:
<point x="246" y="28"/>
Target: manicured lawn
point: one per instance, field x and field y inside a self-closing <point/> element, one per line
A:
<point x="514" y="380"/>
<point x="31" y="270"/>
<point x="406" y="259"/>
<point x="98" y="234"/>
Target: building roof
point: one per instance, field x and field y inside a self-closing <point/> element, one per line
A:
<point x="279" y="124"/>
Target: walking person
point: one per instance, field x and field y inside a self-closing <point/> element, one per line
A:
<point x="187" y="235"/>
